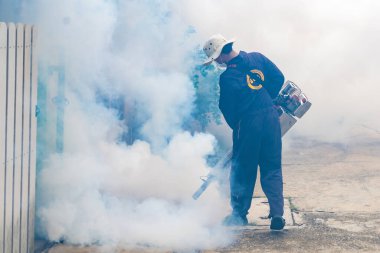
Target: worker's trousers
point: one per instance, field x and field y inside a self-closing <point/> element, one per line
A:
<point x="257" y="142"/>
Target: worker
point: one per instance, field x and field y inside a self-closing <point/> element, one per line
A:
<point x="247" y="89"/>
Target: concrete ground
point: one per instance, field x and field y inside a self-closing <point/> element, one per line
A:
<point x="333" y="197"/>
<point x="334" y="190"/>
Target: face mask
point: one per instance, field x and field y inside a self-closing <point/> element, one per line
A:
<point x="220" y="66"/>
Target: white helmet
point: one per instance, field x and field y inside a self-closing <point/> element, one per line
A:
<point x="213" y="47"/>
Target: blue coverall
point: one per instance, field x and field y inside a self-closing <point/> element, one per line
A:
<point x="247" y="88"/>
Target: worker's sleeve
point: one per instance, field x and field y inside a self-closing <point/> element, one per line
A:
<point x="274" y="79"/>
<point x="227" y="100"/>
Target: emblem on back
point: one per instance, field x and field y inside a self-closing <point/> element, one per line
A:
<point x="254" y="79"/>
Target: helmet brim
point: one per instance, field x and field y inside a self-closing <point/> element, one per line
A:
<point x="217" y="53"/>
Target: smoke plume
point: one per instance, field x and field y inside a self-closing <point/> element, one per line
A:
<point x="101" y="190"/>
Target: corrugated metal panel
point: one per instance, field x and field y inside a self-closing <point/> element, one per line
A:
<point x="18" y="98"/>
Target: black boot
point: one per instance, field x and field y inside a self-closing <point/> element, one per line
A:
<point x="277" y="223"/>
<point x="235" y="220"/>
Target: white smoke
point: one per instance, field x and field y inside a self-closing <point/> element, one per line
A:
<point x="103" y="191"/>
<point x="127" y="196"/>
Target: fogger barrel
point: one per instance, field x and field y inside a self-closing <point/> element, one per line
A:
<point x="223" y="163"/>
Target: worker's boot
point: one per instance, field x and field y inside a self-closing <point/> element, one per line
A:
<point x="277" y="223"/>
<point x="235" y="220"/>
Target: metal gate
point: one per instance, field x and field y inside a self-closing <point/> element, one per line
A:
<point x="18" y="98"/>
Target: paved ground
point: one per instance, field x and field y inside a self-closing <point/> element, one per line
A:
<point x="333" y="199"/>
<point x="334" y="190"/>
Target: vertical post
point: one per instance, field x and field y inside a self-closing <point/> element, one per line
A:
<point x="26" y="134"/>
<point x="9" y="138"/>
<point x="33" y="141"/>
<point x="3" y="85"/>
<point x="17" y="157"/>
<point x="58" y="115"/>
<point x="60" y="110"/>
